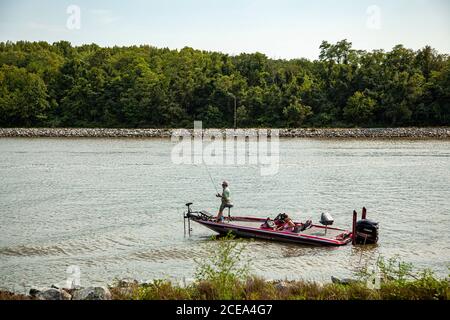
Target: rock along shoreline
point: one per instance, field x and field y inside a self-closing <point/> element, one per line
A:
<point x="122" y="289"/>
<point x="325" y="133"/>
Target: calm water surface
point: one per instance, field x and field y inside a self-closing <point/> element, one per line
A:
<point x="114" y="207"/>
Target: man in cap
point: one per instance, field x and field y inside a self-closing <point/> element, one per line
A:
<point x="226" y="200"/>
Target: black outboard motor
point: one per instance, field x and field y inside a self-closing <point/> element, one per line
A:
<point x="366" y="232"/>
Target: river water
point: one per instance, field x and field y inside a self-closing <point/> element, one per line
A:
<point x="113" y="207"/>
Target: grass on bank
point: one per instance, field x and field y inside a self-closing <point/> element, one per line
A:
<point x="225" y="276"/>
<point x="6" y="295"/>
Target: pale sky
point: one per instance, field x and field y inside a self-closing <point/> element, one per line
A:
<point x="280" y="29"/>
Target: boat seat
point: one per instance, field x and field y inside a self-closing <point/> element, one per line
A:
<point x="229" y="206"/>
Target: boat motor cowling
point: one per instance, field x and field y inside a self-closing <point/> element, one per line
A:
<point x="366" y="231"/>
<point x="326" y="219"/>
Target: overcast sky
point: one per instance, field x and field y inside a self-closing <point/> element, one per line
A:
<point x="280" y="29"/>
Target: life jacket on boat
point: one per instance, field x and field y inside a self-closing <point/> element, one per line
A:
<point x="268" y="224"/>
<point x="303" y="226"/>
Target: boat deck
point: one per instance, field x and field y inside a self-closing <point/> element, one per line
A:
<point x="316" y="231"/>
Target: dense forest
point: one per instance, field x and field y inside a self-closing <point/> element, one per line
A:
<point x="59" y="85"/>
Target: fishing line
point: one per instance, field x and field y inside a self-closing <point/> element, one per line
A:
<point x="210" y="177"/>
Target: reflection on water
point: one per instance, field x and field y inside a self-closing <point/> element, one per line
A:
<point x="114" y="207"/>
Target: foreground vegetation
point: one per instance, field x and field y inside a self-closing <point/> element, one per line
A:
<point x="58" y="85"/>
<point x="224" y="276"/>
<point x="259" y="289"/>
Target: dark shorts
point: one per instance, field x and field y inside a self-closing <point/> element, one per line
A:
<point x="224" y="205"/>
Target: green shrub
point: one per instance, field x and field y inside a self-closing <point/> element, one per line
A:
<point x="224" y="270"/>
<point x="162" y="290"/>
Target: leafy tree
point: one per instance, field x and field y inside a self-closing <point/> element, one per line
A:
<point x="243" y="119"/>
<point x="436" y="103"/>
<point x="59" y="84"/>
<point x="296" y="113"/>
<point x="23" y="97"/>
<point x="359" y="108"/>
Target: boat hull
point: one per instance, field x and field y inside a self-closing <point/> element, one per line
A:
<point x="272" y="235"/>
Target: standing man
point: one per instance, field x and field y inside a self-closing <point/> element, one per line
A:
<point x="226" y="200"/>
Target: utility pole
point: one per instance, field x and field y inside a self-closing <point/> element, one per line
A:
<point x="235" y="110"/>
<point x="235" y="113"/>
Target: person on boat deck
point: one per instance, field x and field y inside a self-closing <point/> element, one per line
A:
<point x="226" y="200"/>
<point x="288" y="225"/>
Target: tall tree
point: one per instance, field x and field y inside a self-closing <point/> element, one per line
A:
<point x="23" y="97"/>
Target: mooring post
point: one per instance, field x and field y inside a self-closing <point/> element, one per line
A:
<point x="355" y="217"/>
<point x="364" y="213"/>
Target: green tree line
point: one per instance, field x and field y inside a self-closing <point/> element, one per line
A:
<point x="60" y="85"/>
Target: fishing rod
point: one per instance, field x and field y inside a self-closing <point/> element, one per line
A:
<point x="210" y="177"/>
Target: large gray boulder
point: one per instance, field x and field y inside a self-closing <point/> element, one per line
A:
<point x="52" y="294"/>
<point x="282" y="285"/>
<point x="64" y="286"/>
<point x="34" y="292"/>
<point x="344" y="281"/>
<point x="92" y="293"/>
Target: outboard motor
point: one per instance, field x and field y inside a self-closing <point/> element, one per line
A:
<point x="366" y="232"/>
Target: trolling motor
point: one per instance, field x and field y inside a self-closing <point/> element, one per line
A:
<point x="194" y="215"/>
<point x="187" y="216"/>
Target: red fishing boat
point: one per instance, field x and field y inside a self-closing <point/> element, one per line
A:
<point x="363" y="232"/>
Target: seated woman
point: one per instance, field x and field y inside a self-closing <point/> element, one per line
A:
<point x="279" y="220"/>
<point x="288" y="224"/>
